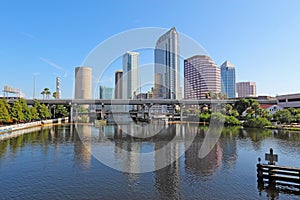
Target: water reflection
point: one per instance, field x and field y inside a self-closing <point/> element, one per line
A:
<point x="228" y="143"/>
<point x="82" y="146"/>
<point x="127" y="146"/>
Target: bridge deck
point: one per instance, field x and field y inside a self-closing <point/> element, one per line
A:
<point x="136" y="101"/>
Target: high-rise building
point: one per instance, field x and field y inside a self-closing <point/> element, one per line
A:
<point x="58" y="91"/>
<point x="167" y="67"/>
<point x="131" y="75"/>
<point x="118" y="84"/>
<point x="246" y="89"/>
<point x="83" y="83"/>
<point x="106" y="92"/>
<point x="201" y="76"/>
<point x="228" y="79"/>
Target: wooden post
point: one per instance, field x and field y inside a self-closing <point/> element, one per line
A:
<point x="260" y="180"/>
<point x="259" y="173"/>
<point x="272" y="158"/>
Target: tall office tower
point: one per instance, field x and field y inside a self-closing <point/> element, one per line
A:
<point x="83" y="83"/>
<point x="246" y="89"/>
<point x="118" y="84"/>
<point x="58" y="91"/>
<point x="167" y="67"/>
<point x="201" y="76"/>
<point x="106" y="92"/>
<point x="228" y="79"/>
<point x="131" y="75"/>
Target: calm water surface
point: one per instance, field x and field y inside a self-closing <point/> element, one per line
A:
<point x="54" y="163"/>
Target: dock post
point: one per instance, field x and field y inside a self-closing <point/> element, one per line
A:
<point x="272" y="158"/>
<point x="259" y="172"/>
<point x="260" y="180"/>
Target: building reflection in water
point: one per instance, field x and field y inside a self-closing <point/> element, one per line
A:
<point x="207" y="165"/>
<point x="229" y="146"/>
<point x="169" y="143"/>
<point x="127" y="151"/>
<point x="82" y="146"/>
<point x="167" y="179"/>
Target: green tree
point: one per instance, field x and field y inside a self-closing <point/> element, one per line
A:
<point x="16" y="112"/>
<point x="34" y="113"/>
<point x="241" y="105"/>
<point x="61" y="111"/>
<point x="25" y="110"/>
<point x="257" y="122"/>
<point x="297" y="118"/>
<point x="232" y="121"/>
<point x="229" y="111"/>
<point x="43" y="93"/>
<point x="218" y="117"/>
<point x="4" y="112"/>
<point x="44" y="112"/>
<point x="46" y="92"/>
<point x="283" y="116"/>
<point x="204" y="117"/>
<point x="54" y="94"/>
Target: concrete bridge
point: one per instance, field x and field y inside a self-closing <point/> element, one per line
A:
<point x="144" y="103"/>
<point x="138" y="101"/>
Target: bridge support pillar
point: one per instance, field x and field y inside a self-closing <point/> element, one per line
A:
<point x="181" y="112"/>
<point x="149" y="110"/>
<point x="71" y="113"/>
<point x="173" y="112"/>
<point x="143" y="111"/>
<point x="76" y="117"/>
<point x="102" y="111"/>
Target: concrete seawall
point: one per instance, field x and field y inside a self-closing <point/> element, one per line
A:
<point x="11" y="131"/>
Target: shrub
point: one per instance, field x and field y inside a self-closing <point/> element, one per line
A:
<point x="232" y="121"/>
<point x="258" y="122"/>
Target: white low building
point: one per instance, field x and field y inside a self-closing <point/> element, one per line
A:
<point x="272" y="109"/>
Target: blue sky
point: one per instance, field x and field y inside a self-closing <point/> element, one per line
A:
<point x="46" y="39"/>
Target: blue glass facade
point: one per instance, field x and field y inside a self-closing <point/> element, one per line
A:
<point x="166" y="58"/>
<point x="228" y="79"/>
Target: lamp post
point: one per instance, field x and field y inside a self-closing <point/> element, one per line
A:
<point x="33" y="95"/>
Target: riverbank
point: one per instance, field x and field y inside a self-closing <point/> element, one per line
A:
<point x="20" y="129"/>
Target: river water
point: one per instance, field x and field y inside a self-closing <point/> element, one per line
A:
<point x="125" y="162"/>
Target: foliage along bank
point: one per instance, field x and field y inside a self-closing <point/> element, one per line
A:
<point x="20" y="112"/>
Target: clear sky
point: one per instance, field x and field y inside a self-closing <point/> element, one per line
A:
<point x="46" y="39"/>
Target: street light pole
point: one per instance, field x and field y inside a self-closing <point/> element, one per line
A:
<point x="33" y="95"/>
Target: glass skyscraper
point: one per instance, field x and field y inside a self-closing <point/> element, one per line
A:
<point x="228" y="79"/>
<point x="167" y="67"/>
<point x="131" y="75"/>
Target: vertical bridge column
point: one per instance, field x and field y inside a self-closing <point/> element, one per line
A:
<point x="71" y="113"/>
<point x="149" y="110"/>
<point x="143" y="111"/>
<point x="102" y="111"/>
<point x="76" y="113"/>
<point x="173" y="112"/>
<point x="181" y="111"/>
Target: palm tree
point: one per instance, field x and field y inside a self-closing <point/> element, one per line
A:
<point x="54" y="94"/>
<point x="43" y="93"/>
<point x="46" y="92"/>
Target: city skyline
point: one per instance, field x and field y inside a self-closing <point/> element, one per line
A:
<point x="43" y="46"/>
